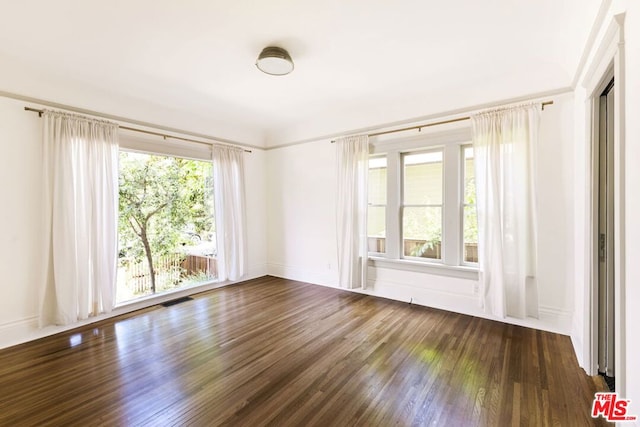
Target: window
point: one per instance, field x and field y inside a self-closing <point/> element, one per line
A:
<point x="377" y="212"/>
<point x="166" y="224"/>
<point x="422" y="204"/>
<point x="428" y="208"/>
<point x="469" y="217"/>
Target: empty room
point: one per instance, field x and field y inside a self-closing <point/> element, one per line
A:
<point x="297" y="213"/>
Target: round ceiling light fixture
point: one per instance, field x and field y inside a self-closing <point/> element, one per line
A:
<point x="274" y="61"/>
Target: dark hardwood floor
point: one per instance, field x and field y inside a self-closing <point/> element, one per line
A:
<point x="278" y="352"/>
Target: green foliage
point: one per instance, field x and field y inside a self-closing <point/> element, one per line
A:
<point x="423" y="223"/>
<point x="160" y="199"/>
<point x="470" y="216"/>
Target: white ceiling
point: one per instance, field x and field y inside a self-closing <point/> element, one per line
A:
<point x="359" y="64"/>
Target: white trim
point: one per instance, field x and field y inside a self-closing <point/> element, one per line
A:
<point x="18" y="331"/>
<point x="291" y="272"/>
<point x="141" y="143"/>
<point x="461" y="300"/>
<point x="394" y="199"/>
<point x="422" y="141"/>
<point x="452" y="199"/>
<point x="610" y="52"/>
<point x="24" y="330"/>
<point x="449" y="142"/>
<point x="550" y="319"/>
<point x="578" y="348"/>
<point x="17" y="323"/>
<point x="461" y="272"/>
<point x="597" y="24"/>
<point x="38" y="103"/>
<point x="445" y="115"/>
<point x="605" y="55"/>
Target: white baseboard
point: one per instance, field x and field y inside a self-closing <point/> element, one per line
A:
<point x="14" y="332"/>
<point x="24" y="330"/>
<point x="577" y="349"/>
<point x="460" y="299"/>
<point x="256" y="271"/>
<point x="328" y="278"/>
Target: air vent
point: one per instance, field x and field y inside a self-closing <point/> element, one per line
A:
<point x="175" y="301"/>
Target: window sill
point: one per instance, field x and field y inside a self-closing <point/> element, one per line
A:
<point x="461" y="272"/>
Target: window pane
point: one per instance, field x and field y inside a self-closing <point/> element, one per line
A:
<point x="378" y="181"/>
<point x="470" y="234"/>
<point x="469" y="220"/>
<point x="166" y="224"/>
<point x="423" y="178"/>
<point x="422" y="231"/>
<point x="376" y="224"/>
<point x="469" y="177"/>
<point x="376" y="221"/>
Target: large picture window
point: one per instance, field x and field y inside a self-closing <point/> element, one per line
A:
<point x="166" y="224"/>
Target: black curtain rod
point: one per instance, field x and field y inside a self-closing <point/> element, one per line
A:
<point x="148" y="132"/>
<point x="426" y="125"/>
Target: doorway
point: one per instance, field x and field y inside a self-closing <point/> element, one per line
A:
<point x="605" y="292"/>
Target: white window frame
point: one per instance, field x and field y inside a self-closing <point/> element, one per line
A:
<point x="462" y="206"/>
<point x="403" y="205"/>
<point x="451" y="142"/>
<point x="138" y="143"/>
<point x="379" y="205"/>
<point x="151" y="145"/>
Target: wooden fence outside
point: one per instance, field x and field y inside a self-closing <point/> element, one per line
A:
<point x="170" y="270"/>
<point x="377" y="244"/>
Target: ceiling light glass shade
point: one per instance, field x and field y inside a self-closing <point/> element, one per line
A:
<point x="275" y="61"/>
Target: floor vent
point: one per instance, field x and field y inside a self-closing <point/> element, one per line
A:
<point x="175" y="301"/>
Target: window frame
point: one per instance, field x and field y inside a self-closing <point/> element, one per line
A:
<point x="142" y="144"/>
<point x="393" y="147"/>
<point x="463" y="205"/>
<point x="403" y="205"/>
<point x="372" y="205"/>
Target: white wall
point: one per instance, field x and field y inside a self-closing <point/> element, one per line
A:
<point x="628" y="373"/>
<point x="20" y="222"/>
<point x="632" y="137"/>
<point x="255" y="172"/>
<point x="302" y="241"/>
<point x="301" y="213"/>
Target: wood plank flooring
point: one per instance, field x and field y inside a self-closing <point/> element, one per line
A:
<point x="277" y="352"/>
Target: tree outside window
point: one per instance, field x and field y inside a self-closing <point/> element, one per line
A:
<point x="166" y="224"/>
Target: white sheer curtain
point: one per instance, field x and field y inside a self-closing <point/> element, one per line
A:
<point x="81" y="215"/>
<point x="353" y="172"/>
<point x="229" y="196"/>
<point x="505" y="143"/>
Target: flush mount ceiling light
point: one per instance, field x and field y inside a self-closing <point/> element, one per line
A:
<point x="275" y="61"/>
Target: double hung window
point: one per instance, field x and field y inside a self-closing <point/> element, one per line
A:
<point x="469" y="218"/>
<point x="422" y="201"/>
<point x="377" y="211"/>
<point x="422" y="204"/>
